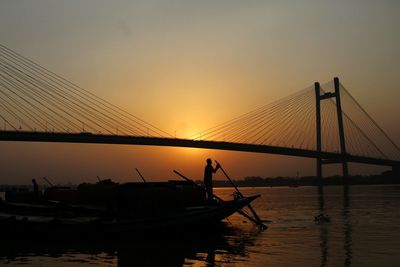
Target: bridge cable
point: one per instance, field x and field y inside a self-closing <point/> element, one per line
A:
<point x="88" y="94"/>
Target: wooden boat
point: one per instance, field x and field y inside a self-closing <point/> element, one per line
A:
<point x="115" y="209"/>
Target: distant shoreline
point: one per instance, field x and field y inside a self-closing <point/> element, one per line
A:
<point x="383" y="178"/>
<point x="254" y="181"/>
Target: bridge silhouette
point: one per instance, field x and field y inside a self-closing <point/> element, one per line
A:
<point x="323" y="121"/>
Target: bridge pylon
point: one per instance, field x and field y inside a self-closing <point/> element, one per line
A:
<point x="343" y="159"/>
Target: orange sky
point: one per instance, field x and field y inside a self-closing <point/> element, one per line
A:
<point x="186" y="66"/>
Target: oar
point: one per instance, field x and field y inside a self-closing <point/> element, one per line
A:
<point x="240" y="194"/>
<point x="44" y="178"/>
<point x="258" y="223"/>
<point x="141" y="176"/>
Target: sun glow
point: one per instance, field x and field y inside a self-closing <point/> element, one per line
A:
<point x="190" y="151"/>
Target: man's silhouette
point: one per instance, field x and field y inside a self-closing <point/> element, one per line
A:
<point x="208" y="172"/>
<point x="35" y="186"/>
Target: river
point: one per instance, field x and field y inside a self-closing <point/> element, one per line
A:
<point x="364" y="230"/>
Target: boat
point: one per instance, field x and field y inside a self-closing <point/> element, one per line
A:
<point x="109" y="208"/>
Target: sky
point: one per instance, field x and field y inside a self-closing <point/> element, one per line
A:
<point x="186" y="66"/>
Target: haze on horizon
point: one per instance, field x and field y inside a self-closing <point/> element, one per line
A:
<point x="186" y="66"/>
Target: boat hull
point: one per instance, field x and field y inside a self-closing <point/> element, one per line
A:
<point x="19" y="224"/>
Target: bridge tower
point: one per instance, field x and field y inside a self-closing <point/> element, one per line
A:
<point x="319" y="98"/>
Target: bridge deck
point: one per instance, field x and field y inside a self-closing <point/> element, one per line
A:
<point x="177" y="142"/>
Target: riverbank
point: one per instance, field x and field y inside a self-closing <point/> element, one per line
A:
<point x="252" y="181"/>
<point x="383" y="178"/>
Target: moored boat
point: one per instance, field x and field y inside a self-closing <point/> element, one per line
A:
<point x="109" y="208"/>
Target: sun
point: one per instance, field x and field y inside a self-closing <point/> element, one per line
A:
<point x="190" y="151"/>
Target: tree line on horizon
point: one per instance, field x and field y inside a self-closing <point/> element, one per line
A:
<point x="387" y="177"/>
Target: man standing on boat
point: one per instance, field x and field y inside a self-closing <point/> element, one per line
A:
<point x="208" y="172"/>
<point x="35" y="187"/>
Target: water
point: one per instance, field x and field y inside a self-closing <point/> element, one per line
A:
<point x="364" y="231"/>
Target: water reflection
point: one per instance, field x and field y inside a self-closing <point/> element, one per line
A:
<point x="347" y="226"/>
<point x="164" y="249"/>
<point x="321" y="199"/>
<point x="324" y="229"/>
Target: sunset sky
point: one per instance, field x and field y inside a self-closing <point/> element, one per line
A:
<point x="186" y="66"/>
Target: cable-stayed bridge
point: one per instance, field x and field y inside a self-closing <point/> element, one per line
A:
<point x="322" y="121"/>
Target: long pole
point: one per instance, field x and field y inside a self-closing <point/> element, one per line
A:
<point x="240" y="193"/>
<point x="44" y="178"/>
<point x="258" y="223"/>
<point x="141" y="176"/>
